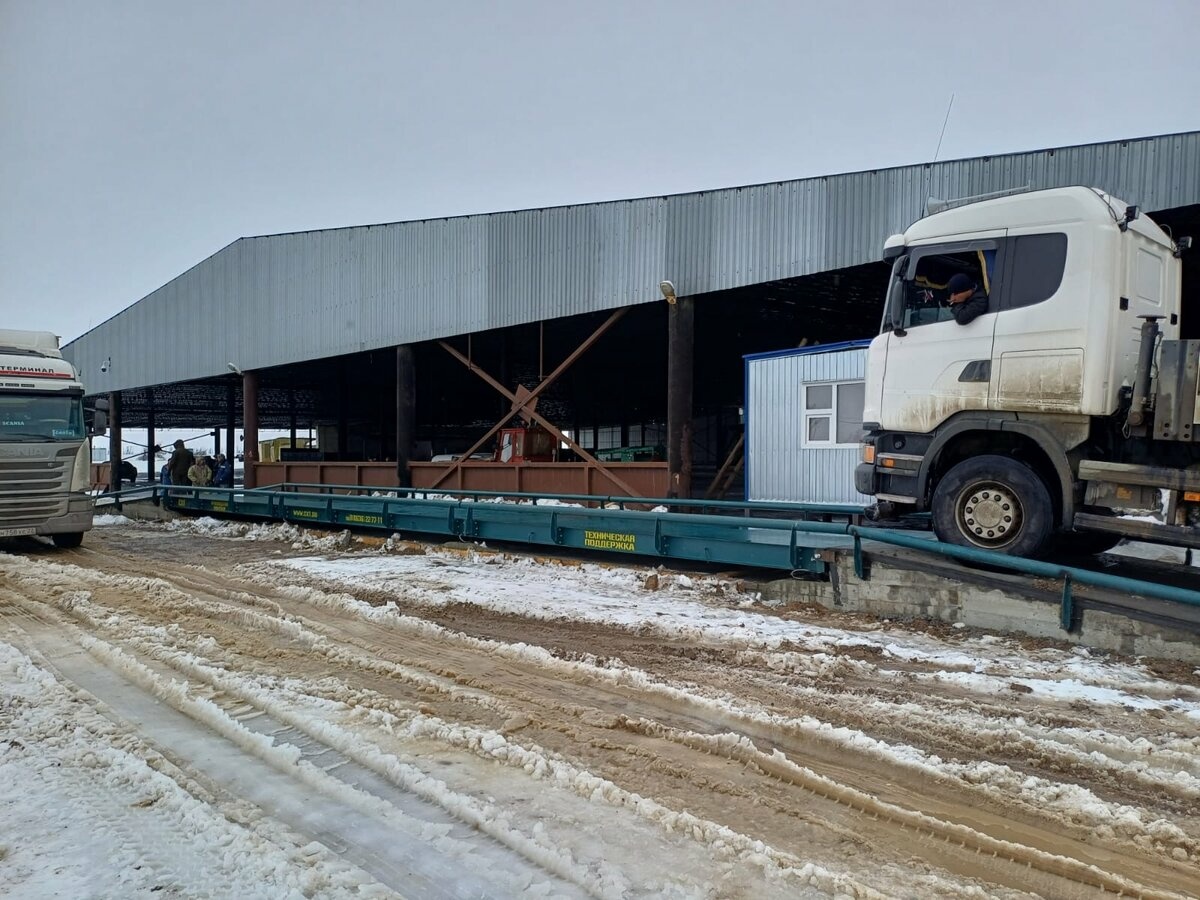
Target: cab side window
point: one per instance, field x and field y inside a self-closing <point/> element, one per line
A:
<point x="927" y="299"/>
<point x="1036" y="267"/>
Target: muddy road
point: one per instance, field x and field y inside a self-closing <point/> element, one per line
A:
<point x="385" y="719"/>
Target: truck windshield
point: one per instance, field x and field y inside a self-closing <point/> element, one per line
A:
<point x="41" y="417"/>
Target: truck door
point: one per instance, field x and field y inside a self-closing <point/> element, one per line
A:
<point x="936" y="367"/>
<point x="1041" y="328"/>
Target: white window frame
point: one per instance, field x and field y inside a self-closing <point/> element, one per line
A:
<point x="830" y="413"/>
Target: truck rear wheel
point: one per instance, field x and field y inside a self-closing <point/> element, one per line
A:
<point x="68" y="539"/>
<point x="993" y="503"/>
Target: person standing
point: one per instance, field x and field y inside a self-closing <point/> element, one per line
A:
<point x="199" y="474"/>
<point x="182" y="459"/>
<point x="224" y="476"/>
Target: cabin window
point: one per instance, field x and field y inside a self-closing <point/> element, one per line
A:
<point x="927" y="298"/>
<point x="1036" y="270"/>
<point x="833" y="414"/>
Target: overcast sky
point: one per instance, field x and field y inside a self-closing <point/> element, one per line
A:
<point x="137" y="138"/>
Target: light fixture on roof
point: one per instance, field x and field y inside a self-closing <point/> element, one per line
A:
<point x="668" y="291"/>
<point x="234" y="369"/>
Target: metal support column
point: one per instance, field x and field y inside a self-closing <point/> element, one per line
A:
<point x="406" y="411"/>
<point x="292" y="417"/>
<point x="230" y="423"/>
<point x="680" y="352"/>
<point x="151" y="456"/>
<point x="115" y="441"/>
<point x="343" y="420"/>
<point x="250" y="427"/>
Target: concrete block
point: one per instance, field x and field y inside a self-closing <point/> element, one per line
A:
<point x="904" y="593"/>
<point x="141" y="509"/>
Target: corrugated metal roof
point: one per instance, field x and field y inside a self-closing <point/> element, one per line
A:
<point x="808" y="351"/>
<point x="287" y="298"/>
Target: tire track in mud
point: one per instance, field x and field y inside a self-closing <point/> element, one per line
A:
<point x="447" y="656"/>
<point x="181" y="833"/>
<point x="460" y="679"/>
<point x="981" y="730"/>
<point x="1029" y="738"/>
<point x="78" y="609"/>
<point x="832" y="755"/>
<point x="676" y="821"/>
<point x="1055" y="739"/>
<point x="256" y="728"/>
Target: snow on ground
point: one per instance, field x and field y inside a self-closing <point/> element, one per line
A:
<point x="108" y="521"/>
<point x="298" y="538"/>
<point x="1157" y="552"/>
<point x="98" y="818"/>
<point x="346" y="605"/>
<point x="698" y="608"/>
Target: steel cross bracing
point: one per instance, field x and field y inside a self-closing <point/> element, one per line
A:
<point x="750" y="535"/>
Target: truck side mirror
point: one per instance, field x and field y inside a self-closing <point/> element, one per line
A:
<point x="896" y="297"/>
<point x="897" y="314"/>
<point x="96" y="416"/>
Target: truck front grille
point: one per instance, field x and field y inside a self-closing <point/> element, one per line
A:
<point x="32" y="490"/>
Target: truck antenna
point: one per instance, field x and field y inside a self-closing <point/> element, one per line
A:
<point x="945" y="122"/>
<point x="936" y="153"/>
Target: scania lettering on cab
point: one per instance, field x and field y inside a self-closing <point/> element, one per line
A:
<point x="1067" y="415"/>
<point x="44" y="449"/>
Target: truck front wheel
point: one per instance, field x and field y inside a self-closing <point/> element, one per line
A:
<point x="993" y="503"/>
<point x="67" y="539"/>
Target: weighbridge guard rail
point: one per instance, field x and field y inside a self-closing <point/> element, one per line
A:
<point x="733" y="535"/>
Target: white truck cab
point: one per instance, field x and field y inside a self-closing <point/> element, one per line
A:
<point x="45" y="469"/>
<point x="997" y="426"/>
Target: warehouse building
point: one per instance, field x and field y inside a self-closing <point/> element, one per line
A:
<point x="618" y="328"/>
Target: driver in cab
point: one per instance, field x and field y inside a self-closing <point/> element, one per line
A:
<point x="967" y="301"/>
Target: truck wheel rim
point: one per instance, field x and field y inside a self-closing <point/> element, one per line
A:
<point x="989" y="514"/>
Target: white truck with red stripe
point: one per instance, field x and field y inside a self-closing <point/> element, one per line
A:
<point x="45" y="459"/>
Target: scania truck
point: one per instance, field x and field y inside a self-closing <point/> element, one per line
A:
<point x="1067" y="415"/>
<point x="44" y="449"/>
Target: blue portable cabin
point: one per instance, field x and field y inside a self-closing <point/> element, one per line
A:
<point x="803" y="420"/>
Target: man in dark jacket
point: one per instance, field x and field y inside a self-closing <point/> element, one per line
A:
<point x="224" y="476"/>
<point x="181" y="460"/>
<point x="967" y="302"/>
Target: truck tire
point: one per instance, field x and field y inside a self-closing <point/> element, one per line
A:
<point x="67" y="540"/>
<point x="993" y="503"/>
